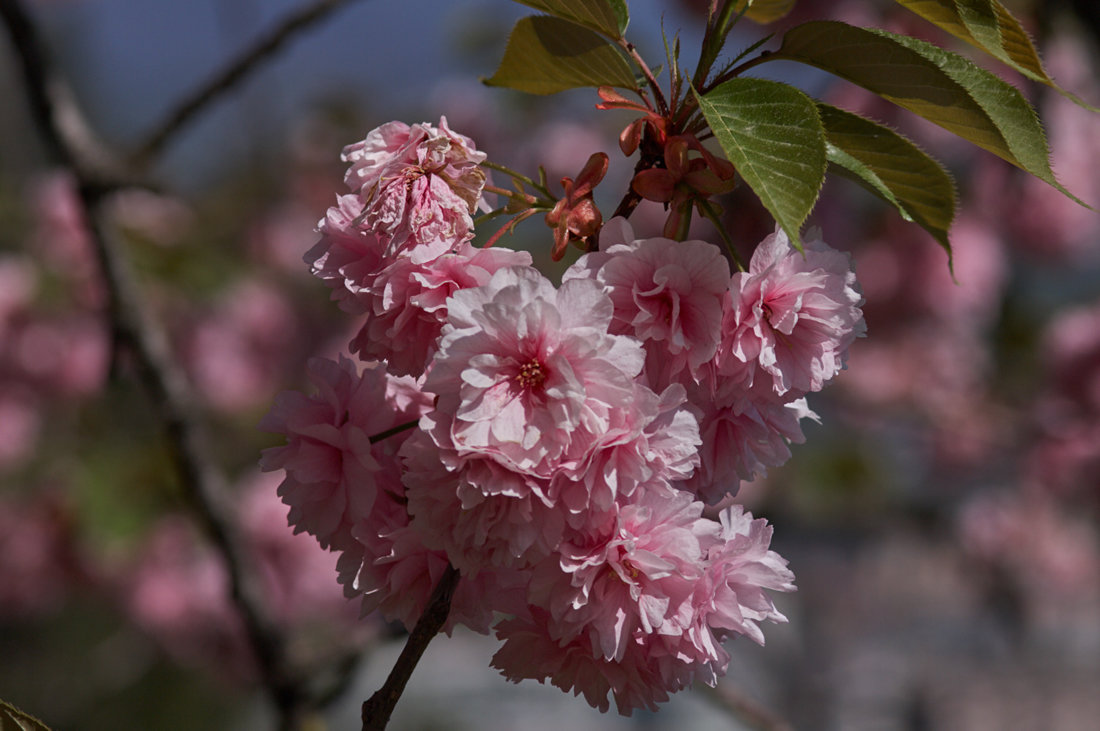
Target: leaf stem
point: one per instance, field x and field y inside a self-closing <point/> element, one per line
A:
<point x="707" y="209"/>
<point x="738" y="70"/>
<point x="713" y="39"/>
<point x="509" y="172"/>
<point x="375" y="438"/>
<point x="658" y="95"/>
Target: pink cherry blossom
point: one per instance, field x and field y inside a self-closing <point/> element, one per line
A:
<point x="666" y="293"/>
<point x="524" y="371"/>
<point x="20" y="424"/>
<point x="397" y="574"/>
<point x="739" y="568"/>
<point x="530" y="651"/>
<point x="346" y="257"/>
<point x="67" y="355"/>
<point x="636" y="577"/>
<point x="729" y="599"/>
<point x="178" y="593"/>
<point x="1071" y="345"/>
<point x="419" y="186"/>
<point x="649" y="444"/>
<point x="1050" y="551"/>
<point x="61" y="229"/>
<point x="793" y="315"/>
<point x="479" y="513"/>
<point x="528" y="383"/>
<point x="296" y="572"/>
<point x="333" y="472"/>
<point x="641" y="610"/>
<point x="237" y="350"/>
<point x="744" y="431"/>
<point x="18" y="284"/>
<point x="407" y="303"/>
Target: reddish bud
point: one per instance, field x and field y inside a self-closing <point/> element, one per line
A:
<point x="631" y="137"/>
<point x="575" y="216"/>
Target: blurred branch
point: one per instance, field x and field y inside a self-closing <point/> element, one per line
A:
<point x="230" y="75"/>
<point x="54" y="108"/>
<point x="62" y="125"/>
<point x="745" y="709"/>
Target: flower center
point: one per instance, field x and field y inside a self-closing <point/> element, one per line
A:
<point x="531" y="375"/>
<point x="411" y="174"/>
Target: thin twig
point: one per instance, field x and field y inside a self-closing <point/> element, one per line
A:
<point x="231" y="75"/>
<point x="658" y="95"/>
<point x="379" y="707"/>
<point x="156" y="368"/>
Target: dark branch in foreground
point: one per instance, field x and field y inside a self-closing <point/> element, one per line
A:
<point x="231" y="75"/>
<point x="62" y="126"/>
<point x="378" y="708"/>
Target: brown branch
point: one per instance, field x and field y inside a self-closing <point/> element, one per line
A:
<point x="651" y="155"/>
<point x="293" y="24"/>
<point x="57" y="117"/>
<point x="378" y="708"/>
<point x="53" y="106"/>
<point x="203" y="482"/>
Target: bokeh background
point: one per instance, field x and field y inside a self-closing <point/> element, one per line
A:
<point x="943" y="520"/>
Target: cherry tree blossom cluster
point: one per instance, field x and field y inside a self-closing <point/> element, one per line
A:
<point x="571" y="450"/>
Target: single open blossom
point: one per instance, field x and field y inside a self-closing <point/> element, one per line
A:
<point x="603" y="608"/>
<point x="794" y="315"/>
<point x="333" y="472"/>
<point x="407" y="303"/>
<point x="666" y="293"/>
<point x="531" y="388"/>
<point x="729" y="600"/>
<point x="419" y="186"/>
<point x="524" y="370"/>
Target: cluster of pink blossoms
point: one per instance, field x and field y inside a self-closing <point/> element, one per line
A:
<point x="556" y="445"/>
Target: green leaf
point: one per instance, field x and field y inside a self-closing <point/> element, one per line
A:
<point x="622" y="14"/>
<point x="766" y="11"/>
<point x="546" y="55"/>
<point x="609" y="17"/>
<point x="12" y="717"/>
<point x="772" y="134"/>
<point x="892" y="167"/>
<point x="940" y="86"/>
<point x="990" y="27"/>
